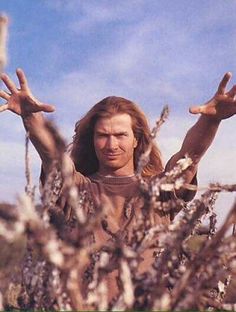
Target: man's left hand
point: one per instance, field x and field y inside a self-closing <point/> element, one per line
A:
<point x="223" y="103"/>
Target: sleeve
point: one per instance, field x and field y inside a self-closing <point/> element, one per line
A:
<point x="177" y="202"/>
<point x="186" y="195"/>
<point x="54" y="187"/>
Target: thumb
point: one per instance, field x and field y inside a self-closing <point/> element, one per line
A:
<point x="197" y="109"/>
<point x="47" y="108"/>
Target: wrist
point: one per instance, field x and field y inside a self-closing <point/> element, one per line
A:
<point x="32" y="120"/>
<point x="29" y="115"/>
<point x="211" y="119"/>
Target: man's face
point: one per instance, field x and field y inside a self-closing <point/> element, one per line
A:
<point x="114" y="144"/>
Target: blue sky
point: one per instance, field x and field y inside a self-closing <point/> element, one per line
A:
<point x="153" y="52"/>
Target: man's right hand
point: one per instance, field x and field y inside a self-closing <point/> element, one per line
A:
<point x="21" y="101"/>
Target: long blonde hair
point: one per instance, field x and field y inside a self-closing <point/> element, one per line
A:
<point x="82" y="151"/>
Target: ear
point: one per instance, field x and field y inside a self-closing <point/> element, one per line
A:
<point x="135" y="142"/>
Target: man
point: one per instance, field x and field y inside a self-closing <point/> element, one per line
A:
<point x="196" y="142"/>
<point x="107" y="145"/>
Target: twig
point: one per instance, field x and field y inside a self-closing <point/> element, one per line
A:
<point x="3" y="41"/>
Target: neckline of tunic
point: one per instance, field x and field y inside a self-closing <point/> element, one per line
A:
<point x="113" y="180"/>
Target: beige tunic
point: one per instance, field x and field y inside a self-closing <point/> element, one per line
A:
<point x="122" y="200"/>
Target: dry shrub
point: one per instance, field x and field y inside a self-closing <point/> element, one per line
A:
<point x="194" y="268"/>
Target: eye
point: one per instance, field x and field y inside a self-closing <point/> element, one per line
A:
<point x="101" y="135"/>
<point x="120" y="135"/>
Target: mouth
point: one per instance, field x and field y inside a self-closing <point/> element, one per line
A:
<point x="111" y="155"/>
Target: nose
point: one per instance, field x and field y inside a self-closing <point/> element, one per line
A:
<point x="111" y="143"/>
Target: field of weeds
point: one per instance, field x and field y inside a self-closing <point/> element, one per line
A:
<point x="42" y="263"/>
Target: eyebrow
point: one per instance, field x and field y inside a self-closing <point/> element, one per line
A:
<point x="105" y="133"/>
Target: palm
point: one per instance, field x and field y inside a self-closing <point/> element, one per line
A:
<point x="222" y="105"/>
<point x="21" y="101"/>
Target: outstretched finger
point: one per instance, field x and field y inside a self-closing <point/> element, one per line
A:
<point x="22" y="79"/>
<point x="232" y="92"/>
<point x="197" y="109"/>
<point x="4" y="95"/>
<point x="223" y="83"/>
<point x="9" y="83"/>
<point x="47" y="108"/>
<point x="3" y="107"/>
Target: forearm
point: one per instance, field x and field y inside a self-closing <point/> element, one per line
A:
<point x="195" y="144"/>
<point x="41" y="138"/>
<point x="199" y="138"/>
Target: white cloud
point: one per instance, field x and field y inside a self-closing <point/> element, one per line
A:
<point x="92" y="12"/>
<point x="152" y="58"/>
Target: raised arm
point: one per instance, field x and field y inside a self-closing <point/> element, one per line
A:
<point x="201" y="135"/>
<point x="23" y="103"/>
